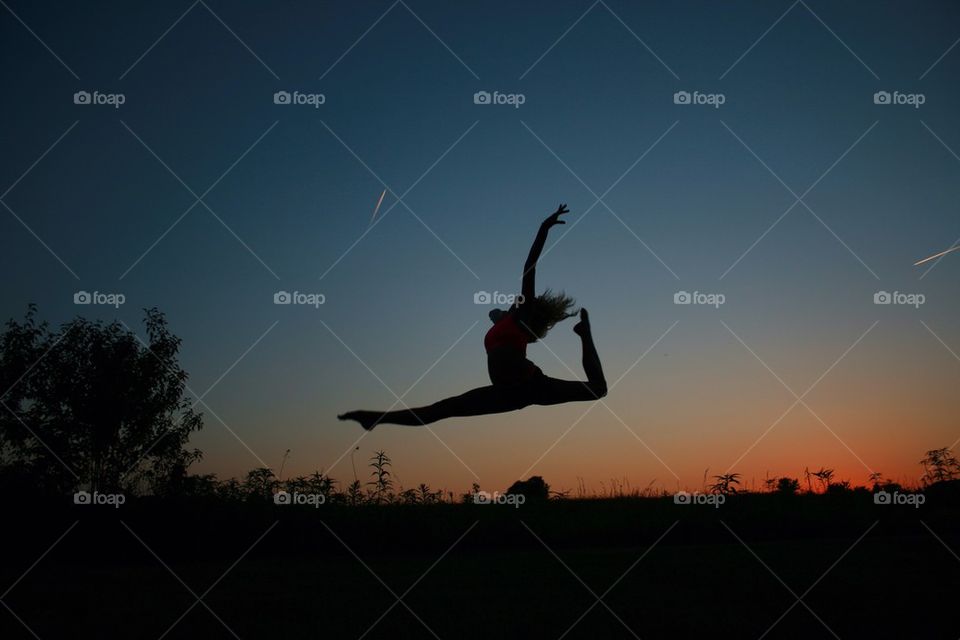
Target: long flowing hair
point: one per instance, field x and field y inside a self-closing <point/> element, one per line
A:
<point x="548" y="309"/>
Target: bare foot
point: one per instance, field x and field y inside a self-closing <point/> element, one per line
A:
<point x="582" y="328"/>
<point x="367" y="419"/>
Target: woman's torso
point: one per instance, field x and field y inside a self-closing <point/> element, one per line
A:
<point x="506" y="346"/>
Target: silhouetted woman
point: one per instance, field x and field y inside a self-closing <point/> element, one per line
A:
<point x="516" y="381"/>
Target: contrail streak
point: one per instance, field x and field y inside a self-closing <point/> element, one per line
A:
<point x="936" y="255"/>
<point x="377" y="208"/>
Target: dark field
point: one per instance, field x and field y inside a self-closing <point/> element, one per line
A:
<point x="476" y="571"/>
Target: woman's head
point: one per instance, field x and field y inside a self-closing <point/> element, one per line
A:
<point x="546" y="310"/>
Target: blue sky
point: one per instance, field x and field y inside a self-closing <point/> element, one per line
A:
<point x="293" y="188"/>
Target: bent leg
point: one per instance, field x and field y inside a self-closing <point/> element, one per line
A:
<point x="591" y="359"/>
<point x="550" y="391"/>
<point x="476" y="402"/>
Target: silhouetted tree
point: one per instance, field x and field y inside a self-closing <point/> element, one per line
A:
<point x="724" y="484"/>
<point x="534" y="489"/>
<point x="92" y="405"/>
<point x="382" y="482"/>
<point x="939" y="465"/>
<point x="788" y="486"/>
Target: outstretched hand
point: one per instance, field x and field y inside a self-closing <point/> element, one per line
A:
<point x="554" y="218"/>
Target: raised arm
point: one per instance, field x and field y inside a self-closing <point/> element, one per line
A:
<point x="528" y="287"/>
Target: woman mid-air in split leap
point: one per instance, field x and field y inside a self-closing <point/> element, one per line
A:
<point x="516" y="381"/>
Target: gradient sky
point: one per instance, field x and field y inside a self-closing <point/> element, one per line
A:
<point x="401" y="98"/>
